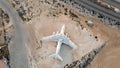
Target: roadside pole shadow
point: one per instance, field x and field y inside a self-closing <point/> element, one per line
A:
<point x="66" y="54"/>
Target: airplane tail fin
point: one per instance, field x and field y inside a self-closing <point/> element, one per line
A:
<point x="56" y="56"/>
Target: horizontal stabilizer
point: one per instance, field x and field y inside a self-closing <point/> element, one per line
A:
<point x="56" y="56"/>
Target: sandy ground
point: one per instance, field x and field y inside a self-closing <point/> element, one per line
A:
<point x="42" y="25"/>
<point x="45" y="26"/>
<point x="2" y="64"/>
<point x="66" y="54"/>
<point x="109" y="56"/>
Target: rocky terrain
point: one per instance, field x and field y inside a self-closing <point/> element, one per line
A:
<point x="6" y="33"/>
<point x="86" y="60"/>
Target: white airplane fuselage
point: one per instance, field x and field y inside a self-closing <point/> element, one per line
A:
<point x="60" y="38"/>
<point x="58" y="47"/>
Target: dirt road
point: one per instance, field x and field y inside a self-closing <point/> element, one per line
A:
<point x="18" y="52"/>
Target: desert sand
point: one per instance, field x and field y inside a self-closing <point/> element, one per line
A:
<point x="2" y="64"/>
<point x="47" y="19"/>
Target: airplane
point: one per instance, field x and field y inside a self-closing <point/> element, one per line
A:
<point x="60" y="38"/>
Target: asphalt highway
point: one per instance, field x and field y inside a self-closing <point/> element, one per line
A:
<point x="118" y="1"/>
<point x="107" y="12"/>
<point x="113" y="3"/>
<point x="18" y="51"/>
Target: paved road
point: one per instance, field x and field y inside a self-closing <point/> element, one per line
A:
<point x="113" y="3"/>
<point x="18" y="52"/>
<point x="107" y="12"/>
<point x="118" y="1"/>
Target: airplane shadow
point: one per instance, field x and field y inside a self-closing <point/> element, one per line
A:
<point x="66" y="54"/>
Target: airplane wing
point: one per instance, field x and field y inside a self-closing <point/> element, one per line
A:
<point x="70" y="43"/>
<point x="50" y="38"/>
<point x="56" y="38"/>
